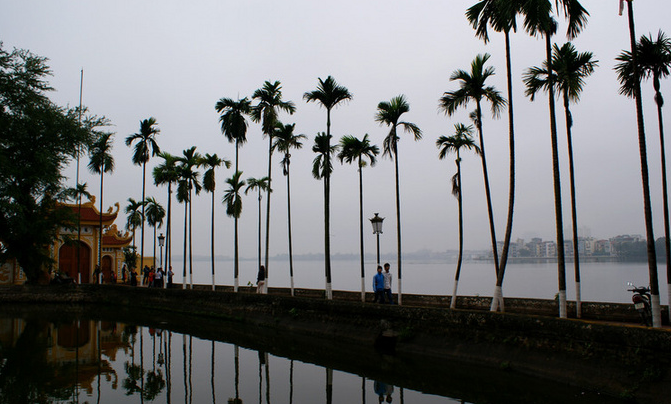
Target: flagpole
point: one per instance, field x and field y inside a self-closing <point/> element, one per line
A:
<point x="79" y="195"/>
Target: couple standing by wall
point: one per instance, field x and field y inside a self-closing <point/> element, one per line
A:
<point x="382" y="285"/>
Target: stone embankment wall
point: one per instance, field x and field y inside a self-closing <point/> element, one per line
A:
<point x="601" y="355"/>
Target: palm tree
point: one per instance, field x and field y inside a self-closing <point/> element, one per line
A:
<point x="233" y="203"/>
<point x="101" y="162"/>
<point x="538" y="20"/>
<point x="166" y="173"/>
<point x="447" y="144"/>
<point x="473" y="88"/>
<point x="569" y="70"/>
<point x="321" y="170"/>
<point x="653" y="60"/>
<point x="261" y="185"/>
<point x="188" y="182"/>
<point x="210" y="163"/>
<point x="76" y="194"/>
<point x="352" y="150"/>
<point x="133" y="210"/>
<point x="328" y="94"/>
<point x="501" y="15"/>
<point x="145" y="147"/>
<point x="285" y="140"/>
<point x="389" y="113"/>
<point x="155" y="216"/>
<point x="266" y="111"/>
<point x="233" y="123"/>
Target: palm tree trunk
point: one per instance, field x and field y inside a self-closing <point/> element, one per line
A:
<point x="186" y="217"/>
<point x="511" y="186"/>
<point x="490" y="211"/>
<point x="168" y="238"/>
<point x="236" y="264"/>
<point x="100" y="217"/>
<point x="190" y="242"/>
<point x="212" y="240"/>
<point x="259" y="228"/>
<point x="398" y="223"/>
<point x="453" y="301"/>
<point x="647" y="208"/>
<point x="270" y="165"/>
<point x="291" y="255"/>
<point x="363" y="270"/>
<point x="144" y="170"/>
<point x="327" y="209"/>
<point x="559" y="222"/>
<point x="665" y="194"/>
<point x="574" y="214"/>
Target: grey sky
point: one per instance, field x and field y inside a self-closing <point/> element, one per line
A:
<point x="173" y="60"/>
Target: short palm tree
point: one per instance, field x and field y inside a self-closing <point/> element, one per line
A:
<point x="462" y="138"/>
<point x="134" y="219"/>
<point x="269" y="105"/>
<point x="145" y="147"/>
<point x="77" y="193"/>
<point x="654" y="60"/>
<point x="155" y="217"/>
<point x="569" y="71"/>
<point x="233" y="123"/>
<point x="353" y="149"/>
<point x="285" y="141"/>
<point x="389" y="113"/>
<point x="322" y="167"/>
<point x="210" y="162"/>
<point x="101" y="162"/>
<point x="166" y="173"/>
<point x="233" y="203"/>
<point x="473" y="88"/>
<point x="328" y="94"/>
<point x="261" y="185"/>
<point x="189" y="181"/>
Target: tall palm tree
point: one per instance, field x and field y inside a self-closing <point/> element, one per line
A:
<point x="321" y="170"/>
<point x="501" y="15"/>
<point x="328" y="94"/>
<point x="133" y="210"/>
<point x="145" y="147"/>
<point x="101" y="162"/>
<point x="285" y="140"/>
<point x="210" y="163"/>
<point x="539" y="20"/>
<point x="473" y="88"/>
<point x="166" y="173"/>
<point x="261" y="185"/>
<point x="155" y="216"/>
<point x="356" y="150"/>
<point x="233" y="123"/>
<point x="269" y="105"/>
<point x="654" y="60"/>
<point x="233" y="203"/>
<point x="448" y="144"/>
<point x="188" y="182"/>
<point x="389" y="113"/>
<point x="569" y="71"/>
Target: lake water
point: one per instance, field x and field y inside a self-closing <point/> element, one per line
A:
<point x="75" y="360"/>
<point x="600" y="281"/>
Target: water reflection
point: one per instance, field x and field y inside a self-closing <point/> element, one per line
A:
<point x="111" y="362"/>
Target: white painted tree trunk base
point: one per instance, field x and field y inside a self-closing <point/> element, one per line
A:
<point x="213" y="282"/>
<point x="363" y="290"/>
<point x="497" y="298"/>
<point x="453" y="301"/>
<point x="400" y="293"/>
<point x="292" y="285"/>
<point x="656" y="312"/>
<point x="562" y="304"/>
<point x="578" y="301"/>
<point x="236" y="285"/>
<point x="184" y="283"/>
<point x="329" y="291"/>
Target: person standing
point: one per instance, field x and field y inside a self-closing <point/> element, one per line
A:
<point x="158" y="278"/>
<point x="378" y="286"/>
<point x="387" y="283"/>
<point x="170" y="275"/>
<point x="261" y="280"/>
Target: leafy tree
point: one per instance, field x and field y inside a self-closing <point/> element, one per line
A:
<point x="269" y="105"/>
<point x="261" y="185"/>
<point x="210" y="162"/>
<point x="356" y="150"/>
<point x="145" y="147"/>
<point x="569" y="70"/>
<point x="233" y="203"/>
<point x="101" y="162"/>
<point x="37" y="141"/>
<point x="328" y="94"/>
<point x="473" y="88"/>
<point x="462" y="138"/>
<point x="285" y="140"/>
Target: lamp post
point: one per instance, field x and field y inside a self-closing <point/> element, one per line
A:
<point x="376" y="221"/>
<point x="161" y="242"/>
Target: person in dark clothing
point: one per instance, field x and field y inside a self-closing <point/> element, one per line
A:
<point x="378" y="286"/>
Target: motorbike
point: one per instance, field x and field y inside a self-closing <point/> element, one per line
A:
<point x="641" y="299"/>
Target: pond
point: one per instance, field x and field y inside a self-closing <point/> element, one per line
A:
<point x="84" y="355"/>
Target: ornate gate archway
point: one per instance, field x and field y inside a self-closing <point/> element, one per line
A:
<point x="67" y="261"/>
<point x="107" y="269"/>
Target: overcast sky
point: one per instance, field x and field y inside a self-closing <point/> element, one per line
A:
<point x="173" y="60"/>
